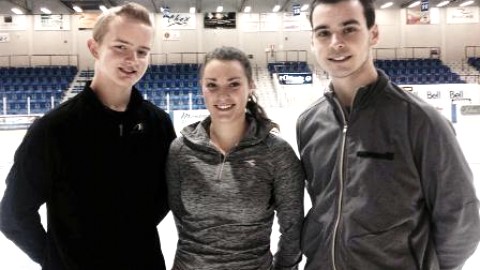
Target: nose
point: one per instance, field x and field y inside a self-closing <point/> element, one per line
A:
<point x="131" y="55"/>
<point x="337" y="41"/>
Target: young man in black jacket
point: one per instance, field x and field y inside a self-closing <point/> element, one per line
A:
<point x="97" y="162"/>
<point x="389" y="184"/>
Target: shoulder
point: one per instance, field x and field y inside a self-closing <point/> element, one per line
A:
<point x="278" y="146"/>
<point x="312" y="109"/>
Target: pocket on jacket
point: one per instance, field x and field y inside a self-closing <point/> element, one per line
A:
<point x="389" y="249"/>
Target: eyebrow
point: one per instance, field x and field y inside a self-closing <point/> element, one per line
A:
<point x="230" y="79"/>
<point x="346" y="23"/>
<point x="128" y="43"/>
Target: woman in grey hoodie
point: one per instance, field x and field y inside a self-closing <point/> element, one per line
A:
<point x="228" y="174"/>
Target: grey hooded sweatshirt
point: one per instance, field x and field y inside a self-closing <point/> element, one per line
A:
<point x="224" y="204"/>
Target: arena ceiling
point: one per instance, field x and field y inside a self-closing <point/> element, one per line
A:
<point x="179" y="6"/>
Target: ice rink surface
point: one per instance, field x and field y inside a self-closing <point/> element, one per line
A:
<point x="11" y="258"/>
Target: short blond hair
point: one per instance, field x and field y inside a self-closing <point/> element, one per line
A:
<point x="132" y="11"/>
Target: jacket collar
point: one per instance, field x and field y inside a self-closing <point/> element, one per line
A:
<point x="365" y="95"/>
<point x="198" y="133"/>
<point x="134" y="103"/>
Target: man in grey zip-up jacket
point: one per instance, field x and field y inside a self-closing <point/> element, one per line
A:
<point x="224" y="204"/>
<point x="390" y="187"/>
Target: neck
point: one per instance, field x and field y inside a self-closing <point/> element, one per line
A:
<point x="346" y="88"/>
<point x="111" y="96"/>
<point x="225" y="136"/>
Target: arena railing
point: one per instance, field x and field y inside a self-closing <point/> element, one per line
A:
<point x="32" y="60"/>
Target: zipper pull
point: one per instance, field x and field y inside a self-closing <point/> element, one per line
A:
<point x="120" y="127"/>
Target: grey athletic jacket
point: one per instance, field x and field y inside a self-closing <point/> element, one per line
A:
<point x="224" y="205"/>
<point x="390" y="186"/>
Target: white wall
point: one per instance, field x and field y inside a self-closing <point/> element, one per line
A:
<point x="394" y="33"/>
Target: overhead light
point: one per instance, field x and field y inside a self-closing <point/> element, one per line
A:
<point x="386" y="5"/>
<point x="77" y="9"/>
<point x="193" y="10"/>
<point x="414" y="4"/>
<point x="45" y="10"/>
<point x="443" y="3"/>
<point x="247" y="9"/>
<point x="467" y="3"/>
<point x="276" y="8"/>
<point x="103" y="8"/>
<point x="304" y="7"/>
<point x="17" y="11"/>
<point x="219" y="8"/>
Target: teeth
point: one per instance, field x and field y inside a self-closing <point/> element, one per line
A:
<point x="340" y="58"/>
<point x="224" y="106"/>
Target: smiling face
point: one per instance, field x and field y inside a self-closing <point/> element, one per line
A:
<point x="341" y="40"/>
<point x="225" y="88"/>
<point x="122" y="55"/>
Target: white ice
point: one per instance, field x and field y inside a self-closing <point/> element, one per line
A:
<point x="11" y="258"/>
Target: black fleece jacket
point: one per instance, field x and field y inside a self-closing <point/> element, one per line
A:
<point x="101" y="175"/>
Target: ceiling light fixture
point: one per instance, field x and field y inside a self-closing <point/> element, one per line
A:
<point x="443" y="3"/>
<point x="77" y="9"/>
<point x="247" y="9"/>
<point x="414" y="4"/>
<point x="304" y="7"/>
<point x="45" y="10"/>
<point x="467" y="3"/>
<point x="386" y="5"/>
<point x="276" y="8"/>
<point x="17" y="11"/>
<point x="219" y="8"/>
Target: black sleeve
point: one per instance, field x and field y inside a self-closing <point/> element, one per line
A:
<point x="25" y="192"/>
<point x="169" y="135"/>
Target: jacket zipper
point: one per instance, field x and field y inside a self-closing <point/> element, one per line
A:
<point x="220" y="169"/>
<point x="341" y="183"/>
<point x="120" y="129"/>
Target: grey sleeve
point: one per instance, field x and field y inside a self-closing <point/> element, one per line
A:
<point x="288" y="195"/>
<point x="449" y="191"/>
<point x="173" y="177"/>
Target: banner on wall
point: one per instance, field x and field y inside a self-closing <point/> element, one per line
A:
<point x="220" y="20"/>
<point x="249" y="22"/>
<point x="270" y="22"/>
<point x="47" y="22"/>
<point x="4" y="37"/>
<point x="13" y="22"/>
<point x="457" y="15"/>
<point x="293" y="22"/>
<point x="417" y="16"/>
<point x="179" y="21"/>
<point x="87" y="20"/>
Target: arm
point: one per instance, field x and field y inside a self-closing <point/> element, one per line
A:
<point x="25" y="193"/>
<point x="288" y="196"/>
<point x="169" y="136"/>
<point x="173" y="177"/>
<point x="450" y="195"/>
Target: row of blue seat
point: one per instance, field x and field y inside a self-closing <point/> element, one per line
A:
<point x="408" y="63"/>
<point x="288" y="67"/>
<point x="433" y="79"/>
<point x="38" y="71"/>
<point x="475" y="62"/>
<point x="34" y="87"/>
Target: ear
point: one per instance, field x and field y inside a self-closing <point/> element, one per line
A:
<point x="93" y="47"/>
<point x="252" y="86"/>
<point x="374" y="35"/>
